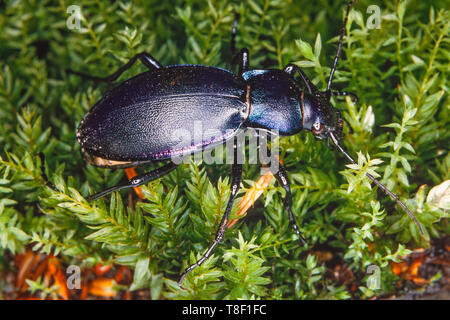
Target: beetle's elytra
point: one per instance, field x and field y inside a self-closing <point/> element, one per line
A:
<point x="132" y="124"/>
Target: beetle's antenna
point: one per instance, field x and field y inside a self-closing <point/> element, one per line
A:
<point x="338" y="51"/>
<point x="379" y="184"/>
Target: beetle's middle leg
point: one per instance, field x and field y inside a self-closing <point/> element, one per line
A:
<point x="280" y="174"/>
<point x="138" y="180"/>
<point x="283" y="180"/>
<point x="236" y="174"/>
<point x="150" y="62"/>
<point x="292" y="69"/>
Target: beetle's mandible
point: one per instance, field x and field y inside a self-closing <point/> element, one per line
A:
<point x="131" y="125"/>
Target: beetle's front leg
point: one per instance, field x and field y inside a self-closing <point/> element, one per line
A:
<point x="345" y="93"/>
<point x="150" y="62"/>
<point x="283" y="180"/>
<point x="236" y="174"/>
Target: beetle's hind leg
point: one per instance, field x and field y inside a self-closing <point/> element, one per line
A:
<point x="240" y="58"/>
<point x="244" y="61"/>
<point x="138" y="180"/>
<point x="236" y="174"/>
<point x="233" y="34"/>
<point x="150" y="62"/>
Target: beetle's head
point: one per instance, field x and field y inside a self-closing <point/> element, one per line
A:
<point x="320" y="117"/>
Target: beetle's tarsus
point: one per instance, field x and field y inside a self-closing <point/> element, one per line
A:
<point x="202" y="259"/>
<point x="44" y="176"/>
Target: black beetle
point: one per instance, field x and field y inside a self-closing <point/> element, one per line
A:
<point x="132" y="124"/>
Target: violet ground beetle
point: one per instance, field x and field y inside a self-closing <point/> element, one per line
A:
<point x="132" y="124"/>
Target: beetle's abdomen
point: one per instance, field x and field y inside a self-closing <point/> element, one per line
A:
<point x="275" y="101"/>
<point x="172" y="111"/>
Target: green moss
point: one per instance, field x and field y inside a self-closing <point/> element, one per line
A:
<point x="398" y="71"/>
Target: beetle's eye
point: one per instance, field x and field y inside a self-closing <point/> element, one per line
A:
<point x="317" y="128"/>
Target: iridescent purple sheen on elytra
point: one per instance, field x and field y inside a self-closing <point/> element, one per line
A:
<point x="138" y="120"/>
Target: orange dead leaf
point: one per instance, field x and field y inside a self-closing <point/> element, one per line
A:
<point x="26" y="265"/>
<point x="253" y="194"/>
<point x="127" y="295"/>
<point x="123" y="274"/>
<point x="55" y="270"/>
<point x="101" y="269"/>
<point x="414" y="268"/>
<point x="323" y="256"/>
<point x="131" y="173"/>
<point x="343" y="274"/>
<point x="40" y="269"/>
<point x="398" y="268"/>
<point x="420" y="281"/>
<point x="103" y="287"/>
<point x="60" y="280"/>
<point x="409" y="270"/>
<point x="30" y="268"/>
